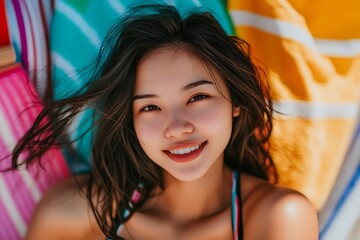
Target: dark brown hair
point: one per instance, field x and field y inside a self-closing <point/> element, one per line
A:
<point x="118" y="162"/>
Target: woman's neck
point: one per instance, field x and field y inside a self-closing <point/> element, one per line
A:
<point x="186" y="202"/>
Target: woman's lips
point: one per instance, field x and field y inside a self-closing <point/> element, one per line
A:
<point x="186" y="157"/>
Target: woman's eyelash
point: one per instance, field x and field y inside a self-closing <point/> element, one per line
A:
<point x="195" y="98"/>
<point x="149" y="108"/>
<point x="198" y="97"/>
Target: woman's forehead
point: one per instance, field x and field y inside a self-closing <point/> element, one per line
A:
<point x="174" y="66"/>
<point x="183" y="58"/>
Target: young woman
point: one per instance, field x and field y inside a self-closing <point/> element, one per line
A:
<point x="180" y="146"/>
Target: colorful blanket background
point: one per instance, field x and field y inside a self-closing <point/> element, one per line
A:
<point x="29" y="23"/>
<point x="21" y="190"/>
<point x="312" y="55"/>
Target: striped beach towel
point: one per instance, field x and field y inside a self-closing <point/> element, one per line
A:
<point x="29" y="23"/>
<point x="20" y="190"/>
<point x="340" y="216"/>
<point x="313" y="59"/>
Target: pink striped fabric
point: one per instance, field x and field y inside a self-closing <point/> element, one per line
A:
<point x="29" y="23"/>
<point x="21" y="190"/>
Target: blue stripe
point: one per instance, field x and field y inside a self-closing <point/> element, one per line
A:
<point x="356" y="136"/>
<point x="348" y="189"/>
<point x="233" y="201"/>
<point x="341" y="202"/>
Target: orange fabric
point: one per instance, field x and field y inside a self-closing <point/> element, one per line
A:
<point x="312" y="55"/>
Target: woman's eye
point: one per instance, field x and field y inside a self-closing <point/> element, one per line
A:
<point x="198" y="97"/>
<point x="150" y="108"/>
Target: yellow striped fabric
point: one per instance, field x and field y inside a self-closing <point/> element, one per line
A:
<point x="312" y="53"/>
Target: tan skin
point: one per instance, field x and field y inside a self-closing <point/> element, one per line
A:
<point x="269" y="212"/>
<point x="196" y="200"/>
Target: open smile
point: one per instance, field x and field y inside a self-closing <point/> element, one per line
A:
<point x="185" y="154"/>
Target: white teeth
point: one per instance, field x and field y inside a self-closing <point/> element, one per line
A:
<point x="185" y="150"/>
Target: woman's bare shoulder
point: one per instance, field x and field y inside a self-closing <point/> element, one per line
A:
<point x="275" y="212"/>
<point x="64" y="213"/>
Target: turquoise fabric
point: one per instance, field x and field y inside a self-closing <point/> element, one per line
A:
<point x="77" y="29"/>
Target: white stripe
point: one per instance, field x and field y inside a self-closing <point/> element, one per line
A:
<point x="79" y="21"/>
<point x="119" y="229"/>
<point x="284" y="29"/>
<point x="277" y="27"/>
<point x="74" y="128"/>
<point x="197" y="3"/>
<point x="56" y="165"/>
<point x="65" y="66"/>
<point x="12" y="210"/>
<point x="40" y="69"/>
<point x="5" y="131"/>
<point x="347" y="171"/>
<point x="37" y="29"/>
<point x="339" y="48"/>
<point x="30" y="184"/>
<point x="117" y="6"/>
<point x="29" y="40"/>
<point x="316" y="110"/>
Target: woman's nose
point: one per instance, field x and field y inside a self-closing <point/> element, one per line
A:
<point x="178" y="126"/>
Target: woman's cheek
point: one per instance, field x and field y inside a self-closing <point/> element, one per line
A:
<point x="147" y="128"/>
<point x="213" y="114"/>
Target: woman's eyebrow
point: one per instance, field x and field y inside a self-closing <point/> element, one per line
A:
<point x="137" y="97"/>
<point x="187" y="87"/>
<point x="197" y="83"/>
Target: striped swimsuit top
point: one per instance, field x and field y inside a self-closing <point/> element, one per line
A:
<point x="236" y="210"/>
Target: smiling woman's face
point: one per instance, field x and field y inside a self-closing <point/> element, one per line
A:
<point x="182" y="119"/>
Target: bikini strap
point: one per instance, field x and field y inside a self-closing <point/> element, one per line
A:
<point x="240" y="215"/>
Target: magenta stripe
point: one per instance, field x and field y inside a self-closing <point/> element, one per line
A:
<point x="22" y="33"/>
<point x="24" y="120"/>
<point x="27" y="91"/>
<point x="43" y="178"/>
<point x="60" y="166"/>
<point x="16" y="103"/>
<point x="7" y="228"/>
<point x="8" y="105"/>
<point x="26" y="100"/>
<point x="56" y="169"/>
<point x="19" y="85"/>
<point x="17" y="188"/>
<point x="11" y="104"/>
